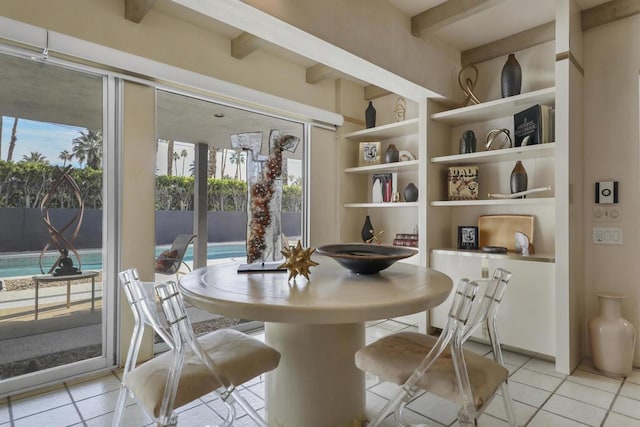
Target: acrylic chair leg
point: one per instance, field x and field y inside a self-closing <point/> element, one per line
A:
<point x="248" y="408"/>
<point x="399" y="415"/>
<point x="120" y="405"/>
<point x="389" y="408"/>
<point x="508" y="405"/>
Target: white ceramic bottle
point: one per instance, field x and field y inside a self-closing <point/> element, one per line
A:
<point x="612" y="337"/>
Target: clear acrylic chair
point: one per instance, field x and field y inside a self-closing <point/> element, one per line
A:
<point x="193" y="367"/>
<point x="439" y="365"/>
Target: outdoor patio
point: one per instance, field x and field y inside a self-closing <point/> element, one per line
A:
<point x="61" y="335"/>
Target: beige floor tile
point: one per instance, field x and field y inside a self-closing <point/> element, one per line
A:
<point x="61" y="416"/>
<point x="4" y="412"/>
<point x="634" y="377"/>
<point x="523" y="412"/>
<point x="526" y="394"/>
<point x="34" y="404"/>
<point x="536" y="379"/>
<point x="544" y="367"/>
<point x="134" y="416"/>
<point x="198" y="415"/>
<point x="547" y="419"/>
<point x="583" y="393"/>
<point x="486" y="420"/>
<point x="617" y="420"/>
<point x="625" y="406"/>
<point x="631" y="390"/>
<point x="576" y="410"/>
<point x="93" y="387"/>
<point x="99" y="405"/>
<point x="435" y="408"/>
<point x="596" y="381"/>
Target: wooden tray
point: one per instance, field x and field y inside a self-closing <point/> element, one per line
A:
<point x="500" y="230"/>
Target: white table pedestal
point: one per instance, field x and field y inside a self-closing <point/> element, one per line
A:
<point x="333" y="391"/>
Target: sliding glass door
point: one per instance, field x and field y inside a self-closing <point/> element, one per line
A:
<point x="54" y="140"/>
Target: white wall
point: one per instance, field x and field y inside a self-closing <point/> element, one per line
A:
<point x="612" y="152"/>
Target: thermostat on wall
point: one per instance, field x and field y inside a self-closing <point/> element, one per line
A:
<point x="607" y="192"/>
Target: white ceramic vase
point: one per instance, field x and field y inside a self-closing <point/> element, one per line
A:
<point x="612" y="337"/>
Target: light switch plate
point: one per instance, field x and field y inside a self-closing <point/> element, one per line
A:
<point x="607" y="235"/>
<point x="603" y="213"/>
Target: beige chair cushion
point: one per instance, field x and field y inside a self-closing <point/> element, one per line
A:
<point x="395" y="357"/>
<point x="238" y="355"/>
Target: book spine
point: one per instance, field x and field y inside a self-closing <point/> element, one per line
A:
<point x="405" y="242"/>
<point x="407" y="236"/>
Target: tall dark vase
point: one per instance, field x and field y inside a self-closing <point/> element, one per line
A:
<point x="511" y="78"/>
<point x="367" y="230"/>
<point x="518" y="178"/>
<point x="370" y="116"/>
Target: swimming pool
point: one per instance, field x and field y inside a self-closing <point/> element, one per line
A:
<point x="27" y="264"/>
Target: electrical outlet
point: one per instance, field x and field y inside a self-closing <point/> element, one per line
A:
<point x="607" y="235"/>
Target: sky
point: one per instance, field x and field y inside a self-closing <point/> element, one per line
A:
<point x="50" y="139"/>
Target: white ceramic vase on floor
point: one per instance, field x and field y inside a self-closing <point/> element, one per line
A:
<point x="612" y="337"/>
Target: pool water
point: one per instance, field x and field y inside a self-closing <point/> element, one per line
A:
<point x="27" y="264"/>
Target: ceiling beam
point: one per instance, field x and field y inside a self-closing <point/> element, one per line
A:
<point x="540" y="34"/>
<point x="447" y="13"/>
<point x="372" y="92"/>
<point x="319" y="72"/>
<point x="135" y="10"/>
<point x="245" y="44"/>
<point x="609" y="12"/>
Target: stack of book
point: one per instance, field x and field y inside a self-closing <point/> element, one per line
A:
<point x="406" y="239"/>
<point x="535" y="125"/>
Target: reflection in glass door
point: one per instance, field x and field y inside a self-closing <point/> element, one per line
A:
<point x="51" y="210"/>
<point x="184" y="122"/>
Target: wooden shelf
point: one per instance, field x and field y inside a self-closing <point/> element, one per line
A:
<point x="498" y="108"/>
<point x="382" y="205"/>
<point x="496" y="202"/>
<point x="386" y="167"/>
<point x="506" y="154"/>
<point x="392" y="130"/>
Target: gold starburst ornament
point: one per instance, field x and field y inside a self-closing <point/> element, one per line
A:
<point x="298" y="261"/>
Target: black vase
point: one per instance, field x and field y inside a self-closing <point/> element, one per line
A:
<point x="392" y="154"/>
<point x="370" y="116"/>
<point x="410" y="193"/>
<point x="468" y="142"/>
<point x="511" y="78"/>
<point x="518" y="179"/>
<point x="367" y="230"/>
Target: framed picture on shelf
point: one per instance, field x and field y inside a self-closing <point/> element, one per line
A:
<point x="463" y="182"/>
<point x="369" y="154"/>
<point x="467" y="237"/>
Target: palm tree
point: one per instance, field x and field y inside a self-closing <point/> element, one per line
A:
<point x="176" y="156"/>
<point x="0" y="137"/>
<point x="35" y="157"/>
<point x="170" y="154"/>
<point x="14" y="138"/>
<point x="212" y="166"/>
<point x="65" y="156"/>
<point x="183" y="154"/>
<point x="88" y="148"/>
<point x="237" y="159"/>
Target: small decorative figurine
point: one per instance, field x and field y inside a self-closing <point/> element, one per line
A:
<point x="375" y="238"/>
<point x="298" y="261"/>
<point x="65" y="264"/>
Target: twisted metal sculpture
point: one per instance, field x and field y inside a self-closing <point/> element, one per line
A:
<point x="468" y="86"/>
<point x="57" y="235"/>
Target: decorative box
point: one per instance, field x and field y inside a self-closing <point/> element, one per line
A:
<point x="463" y="182"/>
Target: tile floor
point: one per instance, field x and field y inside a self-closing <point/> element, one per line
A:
<point x="542" y="398"/>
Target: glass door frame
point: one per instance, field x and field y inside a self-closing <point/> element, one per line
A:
<point x="111" y="166"/>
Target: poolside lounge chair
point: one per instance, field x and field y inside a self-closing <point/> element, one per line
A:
<point x="169" y="261"/>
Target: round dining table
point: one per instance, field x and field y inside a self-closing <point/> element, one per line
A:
<point x="317" y="326"/>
